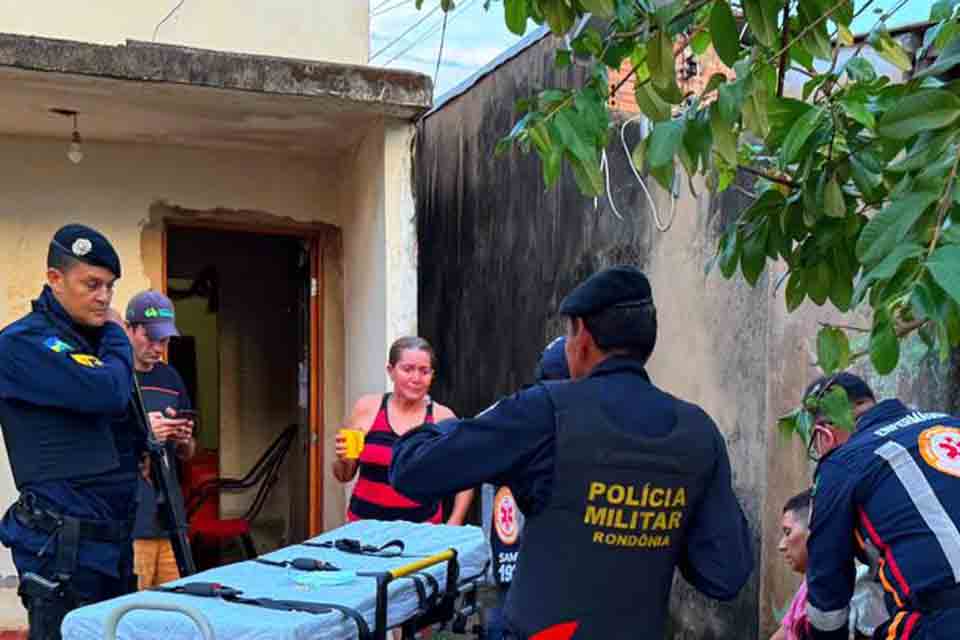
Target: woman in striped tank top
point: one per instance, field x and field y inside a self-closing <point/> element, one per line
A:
<point x="384" y="419"/>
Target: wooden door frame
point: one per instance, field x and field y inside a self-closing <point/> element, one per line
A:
<point x="320" y="236"/>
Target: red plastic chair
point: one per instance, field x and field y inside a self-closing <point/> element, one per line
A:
<point x="262" y="475"/>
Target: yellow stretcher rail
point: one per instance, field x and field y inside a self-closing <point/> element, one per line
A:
<point x="413" y="567"/>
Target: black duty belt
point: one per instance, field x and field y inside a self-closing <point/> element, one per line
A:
<point x="930" y="601"/>
<point x="32" y="515"/>
<point x="347" y="545"/>
<point x="229" y="594"/>
<point x="300" y="564"/>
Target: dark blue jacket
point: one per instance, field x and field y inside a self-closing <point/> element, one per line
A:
<point x="890" y="496"/>
<point x="513" y="443"/>
<point x="40" y="373"/>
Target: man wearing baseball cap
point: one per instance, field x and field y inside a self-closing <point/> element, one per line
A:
<point x="150" y="323"/>
<point x="66" y="379"/>
<point x="620" y="482"/>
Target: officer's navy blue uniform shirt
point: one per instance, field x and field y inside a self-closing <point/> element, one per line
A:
<point x="35" y="370"/>
<point x="513" y="444"/>
<point x="162" y="388"/>
<point x="891" y="496"/>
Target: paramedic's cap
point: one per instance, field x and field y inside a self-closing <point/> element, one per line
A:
<point x="86" y="245"/>
<point x="553" y="362"/>
<point x="154" y="311"/>
<point x="621" y="286"/>
<point x="854" y="385"/>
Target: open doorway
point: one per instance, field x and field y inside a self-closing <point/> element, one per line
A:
<point x="243" y="308"/>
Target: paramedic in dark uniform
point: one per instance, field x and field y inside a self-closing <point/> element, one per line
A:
<point x="150" y="323"/>
<point x="890" y="495"/>
<point x="66" y="376"/>
<point x="620" y="481"/>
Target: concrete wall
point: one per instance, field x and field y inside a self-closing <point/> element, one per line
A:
<point x="330" y="30"/>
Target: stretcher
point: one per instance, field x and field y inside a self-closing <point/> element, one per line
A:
<point x="356" y="581"/>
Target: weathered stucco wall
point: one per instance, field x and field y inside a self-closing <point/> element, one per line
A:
<point x="333" y="31"/>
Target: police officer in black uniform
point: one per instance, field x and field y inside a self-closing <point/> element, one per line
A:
<point x="620" y="481"/>
<point x="66" y="376"/>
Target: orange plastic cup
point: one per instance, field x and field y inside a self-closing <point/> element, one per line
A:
<point x="354" y="439"/>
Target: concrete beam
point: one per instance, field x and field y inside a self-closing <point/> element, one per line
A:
<point x="399" y="94"/>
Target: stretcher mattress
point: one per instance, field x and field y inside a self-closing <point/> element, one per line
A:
<point x="234" y="621"/>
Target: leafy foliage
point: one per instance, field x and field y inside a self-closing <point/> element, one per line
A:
<point x="857" y="196"/>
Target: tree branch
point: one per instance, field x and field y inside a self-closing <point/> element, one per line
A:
<point x="845" y="327"/>
<point x="772" y="178"/>
<point x="785" y="56"/>
<point x="944" y="206"/>
<point x="810" y="27"/>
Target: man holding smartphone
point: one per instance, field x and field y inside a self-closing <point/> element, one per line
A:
<point x="150" y="325"/>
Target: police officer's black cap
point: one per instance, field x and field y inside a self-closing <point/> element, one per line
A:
<point x="621" y="286"/>
<point x="86" y="245"/>
<point x="855" y="386"/>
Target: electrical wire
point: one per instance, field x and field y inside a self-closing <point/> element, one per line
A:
<point x="430" y="33"/>
<point x="443" y="36"/>
<point x="156" y="29"/>
<point x="404" y="34"/>
<point x="379" y="12"/>
<point x="654" y="210"/>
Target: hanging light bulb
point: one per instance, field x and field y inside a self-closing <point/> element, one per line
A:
<point x="74" y="151"/>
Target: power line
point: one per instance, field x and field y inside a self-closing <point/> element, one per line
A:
<point x="429" y="34"/>
<point x="443" y="36"/>
<point x="379" y="12"/>
<point x="404" y="34"/>
<point x="383" y="2"/>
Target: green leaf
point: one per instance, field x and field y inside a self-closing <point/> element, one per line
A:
<point x="860" y="69"/>
<point x="729" y="253"/>
<point x="664" y="142"/>
<point x="884" y="344"/>
<point x="787" y="425"/>
<point x="867" y="181"/>
<point x="754" y="256"/>
<point x="588" y="176"/>
<point x="890" y="50"/>
<point x="845" y="35"/>
<point x="833" y="199"/>
<point x="723" y="29"/>
<point x="552" y="163"/>
<point x="833" y="350"/>
<point x="782" y="113"/>
<point x="715" y="82"/>
<point x="516" y="15"/>
<point x="762" y="18"/>
<point x="836" y="407"/>
<point x="651" y="104"/>
<point x="816" y="39"/>
<point x="588" y="43"/>
<point x="660" y="59"/>
<point x="889" y="266"/>
<point x="841" y="291"/>
<point x="755" y="112"/>
<point x="724" y="138"/>
<point x="639" y="156"/>
<point x="886" y="229"/>
<point x="947" y="60"/>
<point x="944" y="266"/>
<point x="559" y="16"/>
<point x="602" y="8"/>
<point x="859" y="112"/>
<point x="922" y="111"/>
<point x="570" y="133"/>
<point x="564" y="59"/>
<point x="799" y="133"/>
<point x="796" y="290"/>
<point x="819" y="282"/>
<point x="700" y="43"/>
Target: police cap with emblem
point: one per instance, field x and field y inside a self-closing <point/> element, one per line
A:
<point x="86" y="245"/>
<point x="621" y="286"/>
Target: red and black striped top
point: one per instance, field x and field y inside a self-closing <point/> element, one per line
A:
<point x="373" y="498"/>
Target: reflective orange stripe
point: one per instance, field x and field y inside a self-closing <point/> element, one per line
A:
<point x="886" y="584"/>
<point x="892" y="631"/>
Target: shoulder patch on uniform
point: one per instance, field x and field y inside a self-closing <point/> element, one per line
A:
<point x="86" y="360"/>
<point x="940" y="448"/>
<point x="57" y="345"/>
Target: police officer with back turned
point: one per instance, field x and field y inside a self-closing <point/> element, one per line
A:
<point x="620" y="481"/>
<point x="66" y="377"/>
